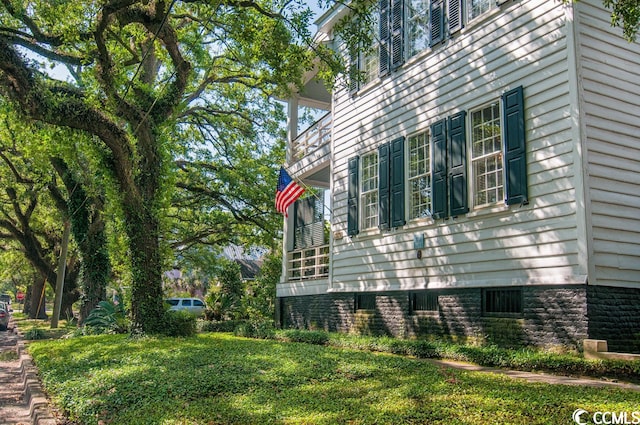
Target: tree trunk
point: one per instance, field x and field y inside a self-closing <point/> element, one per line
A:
<point x="146" y="293"/>
<point x="37" y="310"/>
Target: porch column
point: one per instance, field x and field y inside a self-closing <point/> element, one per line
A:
<point x="292" y="125"/>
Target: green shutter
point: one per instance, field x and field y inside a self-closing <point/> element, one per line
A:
<point x="439" y="170"/>
<point x="515" y="147"/>
<point x="397" y="182"/>
<point x="384" y="187"/>
<point x="352" y="197"/>
<point x="397" y="33"/>
<point x="385" y="37"/>
<point x="457" y="156"/>
<point x="354" y="78"/>
<point x="455" y="15"/>
<point x="437" y="22"/>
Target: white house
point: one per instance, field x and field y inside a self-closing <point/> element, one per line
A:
<point x="483" y="178"/>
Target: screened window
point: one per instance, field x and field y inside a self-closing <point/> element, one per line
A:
<point x="478" y="7"/>
<point x="424" y="301"/>
<point x="418" y="26"/>
<point x="502" y="301"/>
<point x="419" y="176"/>
<point x="486" y="151"/>
<point x="369" y="190"/>
<point x="365" y="301"/>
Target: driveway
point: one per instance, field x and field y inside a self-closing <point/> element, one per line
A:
<point x="22" y="401"/>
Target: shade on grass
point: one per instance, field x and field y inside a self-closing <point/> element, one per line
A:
<point x="221" y="379"/>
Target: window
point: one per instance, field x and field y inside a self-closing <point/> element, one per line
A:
<point x="370" y="58"/>
<point x="502" y="302"/>
<point x="424" y="301"/>
<point x="418" y="26"/>
<point x="478" y="7"/>
<point x="419" y="177"/>
<point x="198" y="303"/>
<point x="487" y="157"/>
<point x="186" y="303"/>
<point x="365" y="301"/>
<point x="369" y="190"/>
<point x="364" y="61"/>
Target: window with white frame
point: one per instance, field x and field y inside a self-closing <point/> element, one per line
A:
<point x="370" y="58"/>
<point x="478" y="7"/>
<point x="486" y="155"/>
<point x="369" y="191"/>
<point x="418" y="26"/>
<point x="419" y="176"/>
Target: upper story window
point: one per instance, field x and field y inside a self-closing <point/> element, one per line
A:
<point x="364" y="64"/>
<point x="486" y="155"/>
<point x="478" y="7"/>
<point x="419" y="176"/>
<point x="369" y="190"/>
<point x="370" y="57"/>
<point x="417" y="26"/>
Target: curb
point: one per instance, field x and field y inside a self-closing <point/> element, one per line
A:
<point x="34" y="396"/>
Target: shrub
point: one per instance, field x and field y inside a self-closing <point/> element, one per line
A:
<point x="179" y="323"/>
<point x="219" y="326"/>
<point x="35" y="333"/>
<point x="261" y="329"/>
<point x="107" y="317"/>
<point x="309" y="337"/>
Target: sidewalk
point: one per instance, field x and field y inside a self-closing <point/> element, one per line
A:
<point x="22" y="401"/>
<point x="540" y="377"/>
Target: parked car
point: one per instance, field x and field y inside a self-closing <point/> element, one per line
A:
<point x="192" y="305"/>
<point x="6" y="298"/>
<point x="4" y="319"/>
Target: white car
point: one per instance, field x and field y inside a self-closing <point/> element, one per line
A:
<point x="192" y="305"/>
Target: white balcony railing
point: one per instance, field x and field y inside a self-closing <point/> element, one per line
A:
<point x="313" y="138"/>
<point x="308" y="263"/>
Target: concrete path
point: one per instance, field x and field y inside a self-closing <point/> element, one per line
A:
<point x="540" y="377"/>
<point x="22" y="401"/>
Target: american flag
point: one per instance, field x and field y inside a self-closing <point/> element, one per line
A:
<point x="287" y="192"/>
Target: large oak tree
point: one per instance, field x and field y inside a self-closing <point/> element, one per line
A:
<point x="141" y="69"/>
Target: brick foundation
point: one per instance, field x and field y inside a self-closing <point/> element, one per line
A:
<point x="550" y="316"/>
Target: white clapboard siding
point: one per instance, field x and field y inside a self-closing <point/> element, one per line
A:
<point x="524" y="43"/>
<point x="611" y="70"/>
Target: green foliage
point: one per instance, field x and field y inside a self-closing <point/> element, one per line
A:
<point x="224" y="300"/>
<point x="8" y="355"/>
<point x="179" y="323"/>
<point x="217" y="378"/>
<point x="256" y="328"/>
<point x="297" y="335"/>
<point x="260" y="297"/>
<point x="107" y="317"/>
<point x="625" y="14"/>
<point x="34" y="334"/>
<point x="218" y="326"/>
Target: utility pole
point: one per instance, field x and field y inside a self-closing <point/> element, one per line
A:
<point x="62" y="268"/>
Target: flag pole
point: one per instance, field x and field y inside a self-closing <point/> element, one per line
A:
<point x="308" y="189"/>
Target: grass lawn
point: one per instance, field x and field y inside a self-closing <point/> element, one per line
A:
<point x="222" y="379"/>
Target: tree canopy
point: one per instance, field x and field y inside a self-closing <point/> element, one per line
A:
<point x="177" y="100"/>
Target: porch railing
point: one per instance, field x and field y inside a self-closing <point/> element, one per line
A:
<point x="308" y="263"/>
<point x="313" y="138"/>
